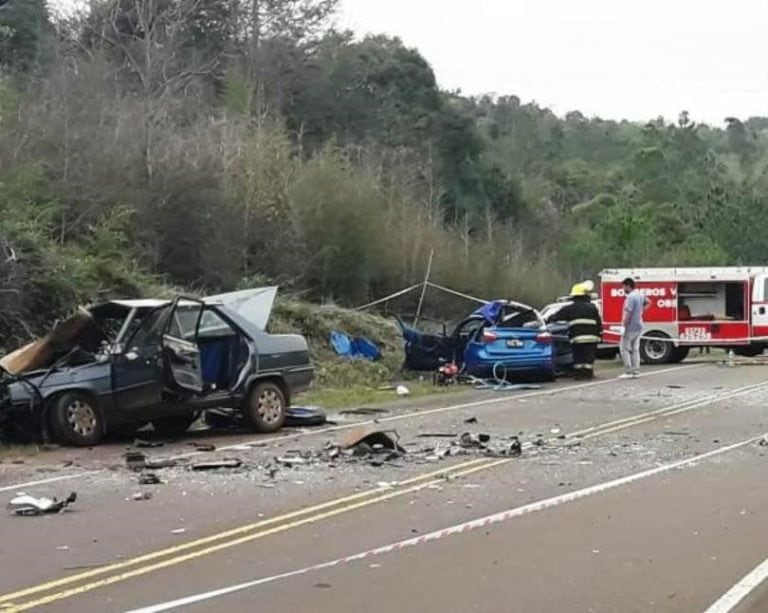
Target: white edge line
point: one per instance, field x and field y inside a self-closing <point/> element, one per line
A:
<point x="451" y="530"/>
<point x="20" y="486"/>
<point x="733" y="597"/>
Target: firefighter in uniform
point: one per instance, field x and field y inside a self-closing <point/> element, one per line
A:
<point x="585" y="330"/>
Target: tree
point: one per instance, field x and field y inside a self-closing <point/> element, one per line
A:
<point x="278" y="34"/>
<point x="739" y="140"/>
<point x="373" y="90"/>
<point x="25" y="28"/>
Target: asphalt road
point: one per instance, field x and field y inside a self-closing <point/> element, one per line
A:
<point x="644" y="495"/>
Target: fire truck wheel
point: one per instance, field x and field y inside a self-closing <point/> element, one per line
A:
<point x="656" y="348"/>
<point x="679" y="354"/>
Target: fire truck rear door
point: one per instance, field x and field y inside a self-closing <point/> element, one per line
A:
<point x="760" y="306"/>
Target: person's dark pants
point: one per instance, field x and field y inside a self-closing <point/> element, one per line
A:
<point x="584" y="360"/>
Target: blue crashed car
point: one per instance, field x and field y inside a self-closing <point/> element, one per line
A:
<point x="501" y="340"/>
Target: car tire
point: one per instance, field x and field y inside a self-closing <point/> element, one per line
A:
<point x="656" y="348"/>
<point x="174" y="425"/>
<point x="76" y="420"/>
<point x="265" y="408"/>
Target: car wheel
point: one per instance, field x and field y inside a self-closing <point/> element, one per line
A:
<point x="76" y="420"/>
<point x="265" y="408"/>
<point x="656" y="348"/>
<point x="174" y="425"/>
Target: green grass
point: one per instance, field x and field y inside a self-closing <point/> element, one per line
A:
<point x="356" y="397"/>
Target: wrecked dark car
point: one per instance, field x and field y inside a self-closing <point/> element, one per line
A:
<point x="502" y="340"/>
<point x="123" y="364"/>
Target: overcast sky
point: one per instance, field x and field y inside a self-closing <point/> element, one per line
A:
<point x="613" y="58"/>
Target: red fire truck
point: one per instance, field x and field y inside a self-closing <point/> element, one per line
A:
<point x="692" y="307"/>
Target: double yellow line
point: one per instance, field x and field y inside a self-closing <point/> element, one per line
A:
<point x="191" y="550"/>
<point x="83" y="582"/>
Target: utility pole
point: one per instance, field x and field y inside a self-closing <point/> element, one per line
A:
<point x="424" y="288"/>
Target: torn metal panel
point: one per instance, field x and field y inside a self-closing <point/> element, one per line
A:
<point x="387" y="439"/>
<point x="38" y="354"/>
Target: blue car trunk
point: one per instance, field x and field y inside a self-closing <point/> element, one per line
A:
<point x="510" y="350"/>
<point x="515" y="341"/>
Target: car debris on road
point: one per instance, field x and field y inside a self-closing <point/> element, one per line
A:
<point x="135" y="460"/>
<point x="202" y="446"/>
<point x="23" y="504"/>
<point x="141" y="443"/>
<point x="366" y="437"/>
<point x="304" y="417"/>
<point x="217" y="465"/>
<point x="160" y="463"/>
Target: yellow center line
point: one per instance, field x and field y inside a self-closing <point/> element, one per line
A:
<point x="75" y="591"/>
<point x="447" y="470"/>
<point x="315" y="514"/>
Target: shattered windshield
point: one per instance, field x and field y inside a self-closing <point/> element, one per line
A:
<point x="148" y="330"/>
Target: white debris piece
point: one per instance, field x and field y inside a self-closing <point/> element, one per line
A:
<point x="24" y="504"/>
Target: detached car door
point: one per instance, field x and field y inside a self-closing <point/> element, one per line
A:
<point x="181" y="353"/>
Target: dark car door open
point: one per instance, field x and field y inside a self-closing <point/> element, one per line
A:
<point x="181" y="354"/>
<point x="137" y="372"/>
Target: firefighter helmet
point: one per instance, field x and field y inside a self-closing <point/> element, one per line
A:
<point x="579" y="290"/>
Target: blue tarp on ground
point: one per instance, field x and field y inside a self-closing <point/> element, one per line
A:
<point x="360" y="347"/>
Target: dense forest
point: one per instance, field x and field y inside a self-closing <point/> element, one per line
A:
<point x="214" y="144"/>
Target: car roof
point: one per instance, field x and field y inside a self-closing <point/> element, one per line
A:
<point x="144" y="303"/>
